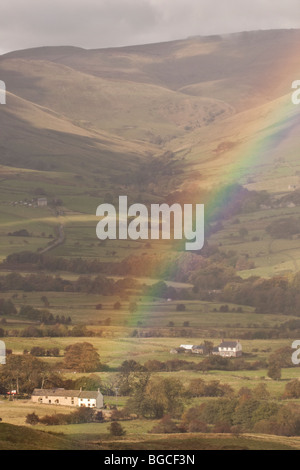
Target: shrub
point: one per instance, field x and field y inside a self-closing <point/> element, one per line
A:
<point x="32" y="419"/>
<point x="116" y="429"/>
<point x="180" y="307"/>
<point x="221" y="428"/>
<point x="292" y="389"/>
<point x="197" y="426"/>
<point x="165" y="426"/>
<point x="51" y="420"/>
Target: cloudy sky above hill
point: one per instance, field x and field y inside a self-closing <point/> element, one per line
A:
<point x="105" y="23"/>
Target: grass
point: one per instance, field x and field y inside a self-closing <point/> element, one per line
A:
<point x="21" y="438"/>
<point x="96" y="438"/>
<point x="151" y="313"/>
<point x="270" y="256"/>
<point x="14" y="434"/>
<point x="114" y="346"/>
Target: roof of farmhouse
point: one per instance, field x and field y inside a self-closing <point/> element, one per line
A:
<point x="228" y="344"/>
<point x="61" y="392"/>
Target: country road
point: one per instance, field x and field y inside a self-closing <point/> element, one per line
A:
<point x="58" y="241"/>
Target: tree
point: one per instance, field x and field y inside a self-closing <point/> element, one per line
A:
<point x="292" y="389"/>
<point x="208" y="347"/>
<point x="32" y="419"/>
<point x="90" y="382"/>
<point x="165" y="426"/>
<point x="82" y="357"/>
<point x="261" y="392"/>
<point x="116" y="429"/>
<point x="213" y="388"/>
<point x="7" y="307"/>
<point x="274" y="372"/>
<point x="45" y="301"/>
<point x="131" y="374"/>
<point x="23" y="373"/>
<point x="243" y="414"/>
<point x="180" y="308"/>
<point x="156" y="397"/>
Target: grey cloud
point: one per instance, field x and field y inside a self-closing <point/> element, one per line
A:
<point x="105" y="23"/>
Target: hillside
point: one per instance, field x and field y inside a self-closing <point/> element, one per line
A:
<point x="172" y="95"/>
<point x="88" y="125"/>
<point x="22" y="438"/>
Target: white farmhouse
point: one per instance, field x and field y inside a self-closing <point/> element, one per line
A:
<point x="60" y="396"/>
<point x="230" y="349"/>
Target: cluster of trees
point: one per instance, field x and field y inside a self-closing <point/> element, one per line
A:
<point x="79" y="416"/>
<point x="82" y="357"/>
<point x="43" y="316"/>
<point x="177" y="266"/>
<point x="209" y="363"/>
<point x="150" y="174"/>
<point x="57" y="330"/>
<point x="43" y="282"/>
<point x="131" y="373"/>
<point x="226" y="309"/>
<point x="284" y="228"/>
<point x="26" y="372"/>
<point x="243" y="414"/>
<point x="239" y="200"/>
<point x="155" y="397"/>
<point x="7" y="307"/>
<point x="276" y="295"/>
<point x="38" y="351"/>
<point x="212" y="388"/>
<point x="246" y="411"/>
<point x="19" y="233"/>
<point x="23" y="373"/>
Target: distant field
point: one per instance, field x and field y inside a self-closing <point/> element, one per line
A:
<point x="270" y="256"/>
<point x="150" y="313"/>
<point x="80" y="199"/>
<point x="113" y="348"/>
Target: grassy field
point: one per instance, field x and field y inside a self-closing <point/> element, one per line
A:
<point x="270" y="256"/>
<point x="113" y="347"/>
<point x="151" y="313"/>
<point x="20" y="438"/>
<point x="15" y="434"/>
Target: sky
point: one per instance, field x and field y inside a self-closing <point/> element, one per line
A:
<point x="95" y="24"/>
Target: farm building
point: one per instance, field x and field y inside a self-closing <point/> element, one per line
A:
<point x="60" y="396"/>
<point x="187" y="347"/>
<point x="42" y="202"/>
<point x="230" y="349"/>
<point x="225" y="349"/>
<point x="200" y="349"/>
